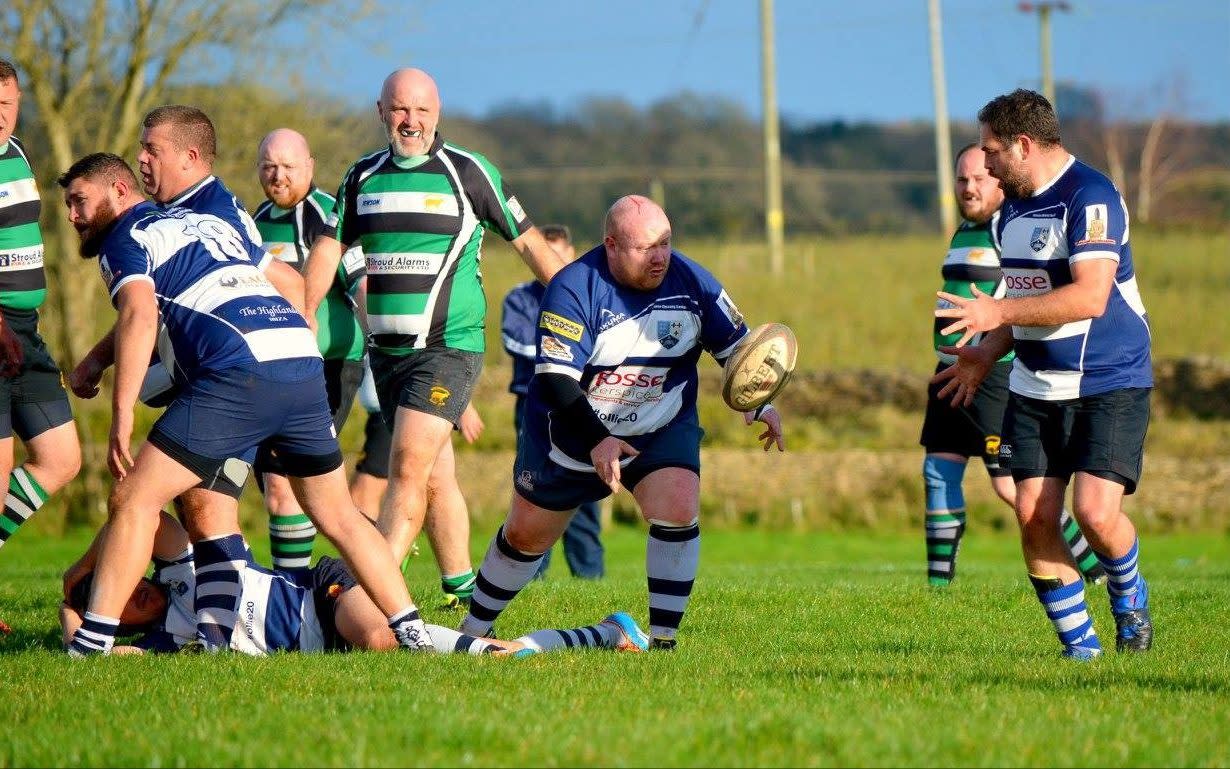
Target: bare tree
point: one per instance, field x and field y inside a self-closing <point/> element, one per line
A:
<point x="92" y="70"/>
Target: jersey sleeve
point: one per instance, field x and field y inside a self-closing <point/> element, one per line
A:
<point x="494" y="205"/>
<point x="351" y="269"/>
<point x="123" y="262"/>
<point x="564" y="340"/>
<point x="340" y="225"/>
<point x="518" y="318"/>
<point x="1097" y="223"/>
<point x="722" y="326"/>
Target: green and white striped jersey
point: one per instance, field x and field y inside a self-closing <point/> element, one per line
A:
<point x="288" y="236"/>
<point x="23" y="286"/>
<point x="973" y="257"/>
<point x="421" y="229"/>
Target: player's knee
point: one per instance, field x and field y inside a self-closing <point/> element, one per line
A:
<point x="375" y="638"/>
<point x="942" y="479"/>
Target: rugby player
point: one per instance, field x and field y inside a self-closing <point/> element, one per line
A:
<point x="296" y="610"/>
<point x="953" y="434"/>
<point x="1079" y="403"/>
<point x="33" y="403"/>
<point x="236" y="339"/>
<point x="613" y="401"/>
<point x="419" y="208"/>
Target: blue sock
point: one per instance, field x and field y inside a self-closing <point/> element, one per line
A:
<point x="1066" y="608"/>
<point x="219" y="566"/>
<point x="1124" y="583"/>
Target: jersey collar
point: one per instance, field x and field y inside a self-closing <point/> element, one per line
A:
<point x="1057" y="177"/>
<point x="179" y="200"/>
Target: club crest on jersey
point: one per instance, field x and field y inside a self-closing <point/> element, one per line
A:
<point x="1040" y="238"/>
<point x="1095" y="226"/>
<point x="669" y="333"/>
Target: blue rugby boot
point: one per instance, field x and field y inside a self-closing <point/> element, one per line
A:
<point x="633" y="639"/>
<point x="1133" y="623"/>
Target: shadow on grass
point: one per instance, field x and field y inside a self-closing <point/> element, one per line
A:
<point x="22" y="640"/>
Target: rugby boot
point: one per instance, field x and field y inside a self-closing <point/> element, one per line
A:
<point x="632" y="638"/>
<point x="1133" y="623"/>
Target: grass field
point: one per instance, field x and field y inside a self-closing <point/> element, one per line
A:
<point x="798" y="650"/>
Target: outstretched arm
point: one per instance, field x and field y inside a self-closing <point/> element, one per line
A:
<point x="538" y="254"/>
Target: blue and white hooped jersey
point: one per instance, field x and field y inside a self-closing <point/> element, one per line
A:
<point x="633" y="352"/>
<point x="218" y="308"/>
<point x="275" y="613"/>
<point x="211" y="196"/>
<point x="1078" y="216"/>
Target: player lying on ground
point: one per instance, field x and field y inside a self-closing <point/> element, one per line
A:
<point x="316" y="610"/>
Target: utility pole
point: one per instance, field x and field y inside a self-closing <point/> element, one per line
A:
<point x="943" y="139"/>
<point x="773" y="218"/>
<point x="1043" y="9"/>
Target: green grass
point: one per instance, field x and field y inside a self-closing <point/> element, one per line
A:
<point x="797" y="650"/>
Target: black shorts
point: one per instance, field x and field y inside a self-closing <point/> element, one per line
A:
<point x="342" y="378"/>
<point x="377" y="443"/>
<point x="34" y="400"/>
<point x="1103" y="435"/>
<point x="970" y="431"/>
<point x="437" y="380"/>
<point x="328" y="579"/>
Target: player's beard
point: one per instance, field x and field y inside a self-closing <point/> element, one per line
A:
<point x="95" y="232"/>
<point x="1015" y="184"/>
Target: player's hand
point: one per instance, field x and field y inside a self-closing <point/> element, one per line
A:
<point x="84" y="378"/>
<point x="962" y="379"/>
<point x="972" y="316"/>
<point x="606" y="456"/>
<point x="119" y="454"/>
<point x="11" y="353"/>
<point x="773" y="421"/>
<point x="471" y="424"/>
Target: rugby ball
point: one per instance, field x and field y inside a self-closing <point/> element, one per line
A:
<point x="759" y="367"/>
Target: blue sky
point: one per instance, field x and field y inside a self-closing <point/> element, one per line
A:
<point x="846" y="60"/>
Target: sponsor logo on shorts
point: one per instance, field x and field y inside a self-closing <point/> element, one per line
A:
<point x="562" y="326"/>
<point x="439" y="396"/>
<point x="1005" y="451"/>
<point x="525" y="479"/>
<point x="669" y="333"/>
<point x="554" y="348"/>
<point x="334" y="590"/>
<point x="1095" y="226"/>
<point x="992" y="445"/>
<point x="1041" y="236"/>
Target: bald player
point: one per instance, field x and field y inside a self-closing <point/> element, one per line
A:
<point x="419" y="208"/>
<point x="613" y="402"/>
<point x="293" y="215"/>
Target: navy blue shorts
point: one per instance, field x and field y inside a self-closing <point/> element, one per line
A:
<point x="226" y="415"/>
<point x="554" y="487"/>
<point x="327" y="580"/>
<point x="1103" y="435"/>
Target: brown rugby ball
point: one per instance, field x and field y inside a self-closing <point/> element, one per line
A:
<point x="759" y="367"/>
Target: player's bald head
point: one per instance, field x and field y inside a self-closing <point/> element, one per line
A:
<point x="285" y="142"/>
<point x="633" y="213"/>
<point x="409" y="81"/>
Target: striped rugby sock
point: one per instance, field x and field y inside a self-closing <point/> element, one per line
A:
<point x="944" y="530"/>
<point x="604" y="635"/>
<point x="1066" y="608"/>
<point x="407" y="626"/>
<point x="291" y="538"/>
<point x="672" y="557"/>
<point x="460" y="585"/>
<point x="504" y="572"/>
<point x="1086" y="560"/>
<point x="24" y="499"/>
<point x="219" y="564"/>
<point x="95" y="636"/>
<point x="1124" y="580"/>
<point x="449" y="641"/>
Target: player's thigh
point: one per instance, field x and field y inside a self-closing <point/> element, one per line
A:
<point x="418" y="440"/>
<point x="1035" y="439"/>
<point x="56" y="452"/>
<point x="669" y="495"/>
<point x="1039" y="501"/>
<point x="325" y="497"/>
<point x="208" y="513"/>
<point x="154" y="480"/>
<point x="1108" y="435"/>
